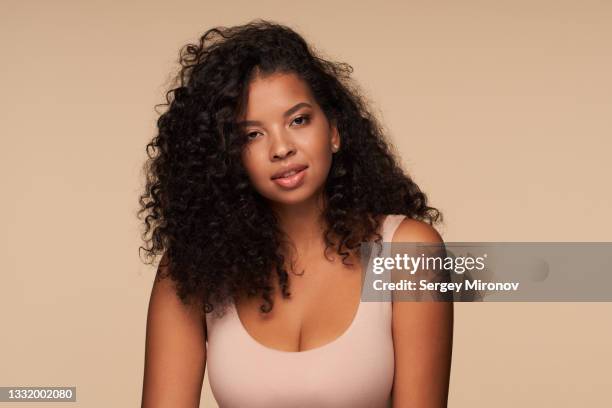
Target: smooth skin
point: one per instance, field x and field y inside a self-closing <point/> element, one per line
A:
<point x="175" y="352"/>
<point x="285" y="125"/>
<point x="422" y="338"/>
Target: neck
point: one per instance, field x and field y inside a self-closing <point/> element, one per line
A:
<point x="303" y="223"/>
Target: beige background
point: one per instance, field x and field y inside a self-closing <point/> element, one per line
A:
<point x="501" y="111"/>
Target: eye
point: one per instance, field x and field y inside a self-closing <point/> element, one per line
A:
<point x="251" y="135"/>
<point x="301" y="120"/>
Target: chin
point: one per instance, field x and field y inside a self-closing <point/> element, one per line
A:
<point x="291" y="197"/>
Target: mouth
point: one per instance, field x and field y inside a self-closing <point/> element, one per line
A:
<point x="291" y="179"/>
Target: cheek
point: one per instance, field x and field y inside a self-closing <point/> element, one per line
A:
<point x="255" y="167"/>
<point x="322" y="159"/>
<point x="316" y="143"/>
<point x="250" y="165"/>
<point x="323" y="150"/>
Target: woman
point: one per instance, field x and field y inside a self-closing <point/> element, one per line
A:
<point x="269" y="172"/>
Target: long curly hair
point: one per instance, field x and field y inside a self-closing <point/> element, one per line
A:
<point x="218" y="236"/>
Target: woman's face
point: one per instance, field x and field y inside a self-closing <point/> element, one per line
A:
<point x="286" y="129"/>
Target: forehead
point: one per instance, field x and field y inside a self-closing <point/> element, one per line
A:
<point x="275" y="93"/>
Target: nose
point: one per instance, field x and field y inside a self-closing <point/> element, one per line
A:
<point x="282" y="147"/>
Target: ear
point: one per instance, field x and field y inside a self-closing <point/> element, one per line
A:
<point x="335" y="137"/>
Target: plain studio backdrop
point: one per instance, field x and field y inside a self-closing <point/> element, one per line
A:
<point x="501" y="112"/>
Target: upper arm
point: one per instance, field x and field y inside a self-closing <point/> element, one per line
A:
<point x="422" y="338"/>
<point x="175" y="350"/>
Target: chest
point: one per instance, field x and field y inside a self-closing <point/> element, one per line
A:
<point x="324" y="301"/>
<point x="355" y="370"/>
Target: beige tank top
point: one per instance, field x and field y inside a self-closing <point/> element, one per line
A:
<point x="355" y="370"/>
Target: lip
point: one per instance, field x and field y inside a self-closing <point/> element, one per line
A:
<point x="293" y="181"/>
<point x="292" y="167"/>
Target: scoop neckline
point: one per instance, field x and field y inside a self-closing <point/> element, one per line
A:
<point x="327" y="345"/>
<point x="322" y="347"/>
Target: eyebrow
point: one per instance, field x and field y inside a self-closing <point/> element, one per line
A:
<point x="289" y="112"/>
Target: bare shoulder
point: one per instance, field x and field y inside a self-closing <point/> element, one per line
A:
<point x="175" y="350"/>
<point x="422" y="337"/>
<point x="411" y="230"/>
<point x="164" y="294"/>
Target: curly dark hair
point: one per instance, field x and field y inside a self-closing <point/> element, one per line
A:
<point x="219" y="236"/>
